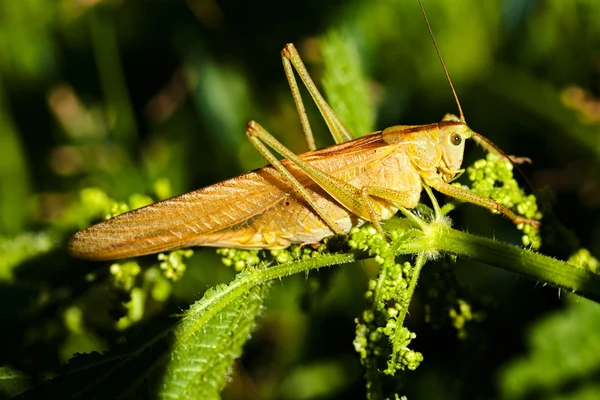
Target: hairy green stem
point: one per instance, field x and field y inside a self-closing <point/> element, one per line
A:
<point x="518" y="260"/>
<point x="438" y="239"/>
<point x="211" y="306"/>
<point x="414" y="280"/>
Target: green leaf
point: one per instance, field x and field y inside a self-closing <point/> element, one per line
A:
<point x="190" y="359"/>
<point x="208" y="340"/>
<point x="345" y="83"/>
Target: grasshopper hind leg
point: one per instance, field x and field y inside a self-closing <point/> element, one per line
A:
<point x="359" y="202"/>
<point x="291" y="59"/>
<point x="257" y="134"/>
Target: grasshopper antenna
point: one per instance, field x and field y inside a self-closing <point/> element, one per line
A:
<point x="437" y="50"/>
<point x="480" y="139"/>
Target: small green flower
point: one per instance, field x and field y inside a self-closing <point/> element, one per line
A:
<point x="582" y="258"/>
<point x="125" y="274"/>
<point x="239" y="259"/>
<point x="493" y="178"/>
<point x="172" y="263"/>
<point x="378" y="332"/>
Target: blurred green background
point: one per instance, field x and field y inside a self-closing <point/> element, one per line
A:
<point x="152" y="97"/>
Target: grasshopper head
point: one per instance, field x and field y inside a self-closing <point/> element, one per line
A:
<point x="453" y="133"/>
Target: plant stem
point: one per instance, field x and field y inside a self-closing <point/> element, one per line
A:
<point x="414" y="280"/>
<point x="518" y="260"/>
<point x="436" y="239"/>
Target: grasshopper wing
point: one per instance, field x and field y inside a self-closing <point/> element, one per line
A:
<point x="255" y="210"/>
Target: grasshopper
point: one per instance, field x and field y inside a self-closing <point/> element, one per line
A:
<point x="302" y="198"/>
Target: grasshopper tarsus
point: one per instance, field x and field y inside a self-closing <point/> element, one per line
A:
<point x="288" y="50"/>
<point x="520" y="160"/>
<point x="531" y="222"/>
<point x="516" y="219"/>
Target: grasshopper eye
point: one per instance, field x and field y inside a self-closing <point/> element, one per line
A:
<point x="455" y="139"/>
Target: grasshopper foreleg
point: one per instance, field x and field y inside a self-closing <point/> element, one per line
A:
<point x="438" y="184"/>
<point x="434" y="203"/>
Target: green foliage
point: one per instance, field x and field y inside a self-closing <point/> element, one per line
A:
<point x="209" y="338"/>
<point x="27" y="50"/>
<point x="562" y="351"/>
<point x="14" y="173"/>
<point x="561" y="361"/>
<point x="16" y="250"/>
<point x="344" y="79"/>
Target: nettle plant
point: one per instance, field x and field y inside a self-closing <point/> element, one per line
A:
<point x="209" y="336"/>
<point x="191" y="355"/>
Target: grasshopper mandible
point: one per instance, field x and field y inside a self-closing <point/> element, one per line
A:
<point x="302" y="198"/>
